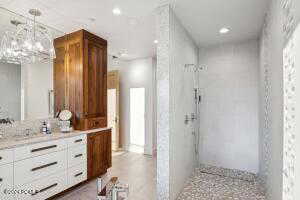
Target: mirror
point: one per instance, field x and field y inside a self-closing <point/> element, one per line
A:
<point x="26" y="89"/>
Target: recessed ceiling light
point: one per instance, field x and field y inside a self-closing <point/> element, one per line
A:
<point x="116" y="11"/>
<point x="155" y="41"/>
<point x="224" y="30"/>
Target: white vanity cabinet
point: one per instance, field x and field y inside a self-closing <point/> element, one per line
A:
<point x="6" y="173"/>
<point x="41" y="170"/>
<point x="6" y="181"/>
<point x="6" y="156"/>
<point x="33" y="150"/>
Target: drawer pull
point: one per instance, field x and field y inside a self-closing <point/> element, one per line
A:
<point x="79" y="140"/>
<point x="1" y="179"/>
<point x="78" y="174"/>
<point x="0" y="158"/>
<point x="78" y="155"/>
<point x="45" y="189"/>
<point x="43" y="166"/>
<point x="43" y="148"/>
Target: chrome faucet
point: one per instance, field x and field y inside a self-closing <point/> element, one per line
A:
<point x="27" y="132"/>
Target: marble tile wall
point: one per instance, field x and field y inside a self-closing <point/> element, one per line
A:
<point x="289" y="80"/>
<point x="276" y="39"/>
<point x="163" y="102"/>
<point x="18" y="128"/>
<point x="265" y="106"/>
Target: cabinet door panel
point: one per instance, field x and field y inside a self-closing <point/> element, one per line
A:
<point x="99" y="153"/>
<point x="60" y="73"/>
<point x="96" y="91"/>
<point x="75" y="93"/>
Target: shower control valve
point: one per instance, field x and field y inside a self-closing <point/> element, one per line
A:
<point x="193" y="117"/>
<point x="186" y="120"/>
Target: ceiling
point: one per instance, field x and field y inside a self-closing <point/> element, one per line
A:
<point x="204" y="18"/>
<point x="6" y="17"/>
<point x="133" y="32"/>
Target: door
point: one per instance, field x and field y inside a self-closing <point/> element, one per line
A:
<point x="111" y="115"/>
<point x="137" y="119"/>
<point x="113" y="108"/>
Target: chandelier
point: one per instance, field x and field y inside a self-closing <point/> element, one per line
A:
<point x="30" y="42"/>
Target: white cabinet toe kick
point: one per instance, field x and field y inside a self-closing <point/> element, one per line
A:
<point x="42" y="170"/>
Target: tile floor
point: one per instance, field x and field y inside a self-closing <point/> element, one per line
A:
<point x="211" y="183"/>
<point x="207" y="183"/>
<point x="137" y="170"/>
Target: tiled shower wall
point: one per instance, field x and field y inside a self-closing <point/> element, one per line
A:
<point x="182" y="81"/>
<point x="175" y="90"/>
<point x="277" y="129"/>
<point x="229" y="108"/>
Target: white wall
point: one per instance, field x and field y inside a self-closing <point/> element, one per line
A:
<point x="134" y="74"/>
<point x="229" y="108"/>
<point x="176" y="157"/>
<point x="37" y="80"/>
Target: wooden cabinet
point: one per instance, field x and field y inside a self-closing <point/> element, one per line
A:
<point x="99" y="153"/>
<point x="80" y="78"/>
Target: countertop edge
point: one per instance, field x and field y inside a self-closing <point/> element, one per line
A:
<point x="7" y="144"/>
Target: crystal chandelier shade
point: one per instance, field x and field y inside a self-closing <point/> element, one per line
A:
<point x="28" y="43"/>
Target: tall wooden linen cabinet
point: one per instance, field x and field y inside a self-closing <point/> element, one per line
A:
<point x="80" y="79"/>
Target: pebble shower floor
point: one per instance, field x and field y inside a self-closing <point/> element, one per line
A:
<point x="211" y="183"/>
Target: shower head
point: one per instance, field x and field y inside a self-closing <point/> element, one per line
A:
<point x="193" y="67"/>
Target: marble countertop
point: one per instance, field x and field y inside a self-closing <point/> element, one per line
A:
<point x="8" y="143"/>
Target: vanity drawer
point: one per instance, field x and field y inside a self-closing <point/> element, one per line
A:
<point x="77" y="174"/>
<point x="44" y="188"/>
<point x="6" y="181"/>
<point x="77" y="140"/>
<point x="77" y="155"/>
<point x="6" y="156"/>
<point x="39" y="149"/>
<point x="94" y="123"/>
<point x="31" y="169"/>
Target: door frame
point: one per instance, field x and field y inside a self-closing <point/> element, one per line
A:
<point x="113" y="82"/>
